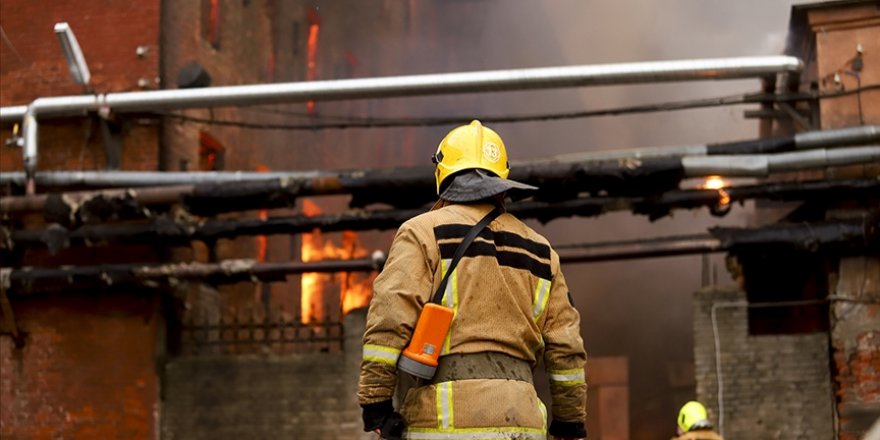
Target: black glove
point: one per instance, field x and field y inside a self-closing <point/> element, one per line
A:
<point x="381" y="416"/>
<point x="561" y="429"/>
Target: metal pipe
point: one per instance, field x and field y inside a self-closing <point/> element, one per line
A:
<point x="811" y="237"/>
<point x="412" y="186"/>
<point x="181" y="231"/>
<point x="763" y="165"/>
<point x="635" y="249"/>
<point x="35" y="279"/>
<point x="415" y="85"/>
<point x="841" y="136"/>
<point x="802" y="141"/>
<point x="396" y="86"/>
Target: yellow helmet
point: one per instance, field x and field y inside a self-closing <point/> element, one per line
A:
<point x="468" y="147"/>
<point x="693" y="416"/>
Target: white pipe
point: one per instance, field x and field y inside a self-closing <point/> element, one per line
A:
<point x="838" y="136"/>
<point x="763" y="165"/>
<point x="756" y="165"/>
<point x="412" y="85"/>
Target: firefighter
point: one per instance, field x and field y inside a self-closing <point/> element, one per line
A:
<point x="511" y="309"/>
<point x="694" y="424"/>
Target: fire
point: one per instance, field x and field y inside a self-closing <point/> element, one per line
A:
<point x="263" y="214"/>
<point x="718" y="183"/>
<point x="355" y="289"/>
<point x="312" y="52"/>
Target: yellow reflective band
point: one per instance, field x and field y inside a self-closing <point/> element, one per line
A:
<point x="543" y="410"/>
<point x="541" y="297"/>
<point x="475" y="433"/>
<point x="450" y="299"/>
<point x="444" y="405"/>
<point x="381" y="353"/>
<point x="567" y="377"/>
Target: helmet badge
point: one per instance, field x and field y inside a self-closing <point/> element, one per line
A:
<point x="491" y="152"/>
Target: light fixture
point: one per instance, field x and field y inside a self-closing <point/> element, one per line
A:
<point x="76" y="62"/>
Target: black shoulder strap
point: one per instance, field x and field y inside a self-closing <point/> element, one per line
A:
<point x="462" y="247"/>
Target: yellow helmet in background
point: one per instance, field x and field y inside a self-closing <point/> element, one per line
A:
<point x="468" y="147"/>
<point x="693" y="416"/>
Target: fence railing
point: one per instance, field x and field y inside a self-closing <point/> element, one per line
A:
<point x="253" y="334"/>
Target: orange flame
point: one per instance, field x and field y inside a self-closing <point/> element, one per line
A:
<point x="263" y="214"/>
<point x="355" y="289"/>
<point x="718" y="183"/>
<point x="312" y="52"/>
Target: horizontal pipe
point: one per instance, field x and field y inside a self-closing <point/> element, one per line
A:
<point x="638" y="249"/>
<point x="858" y="135"/>
<point x="414" y="85"/>
<point x="843" y="137"/>
<point x="413" y="186"/>
<point x="811" y="237"/>
<point x="167" y="231"/>
<point x="35" y="279"/>
<point x="385" y="87"/>
<point x="764" y="165"/>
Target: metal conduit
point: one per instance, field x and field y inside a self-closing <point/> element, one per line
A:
<point x="753" y="165"/>
<point x="412" y="85"/>
<point x="763" y="165"/>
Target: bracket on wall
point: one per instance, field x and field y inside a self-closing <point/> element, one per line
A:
<point x="111" y="135"/>
<point x="8" y="326"/>
<point x="785" y="112"/>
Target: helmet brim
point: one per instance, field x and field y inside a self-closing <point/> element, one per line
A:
<point x="477" y="184"/>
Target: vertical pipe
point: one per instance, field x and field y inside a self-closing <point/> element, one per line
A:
<point x="29" y="151"/>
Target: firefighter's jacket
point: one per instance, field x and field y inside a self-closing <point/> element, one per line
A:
<point x="699" y="435"/>
<point x="508" y="295"/>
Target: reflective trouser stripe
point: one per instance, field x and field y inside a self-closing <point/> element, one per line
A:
<point x="476" y="433"/>
<point x="541" y="296"/>
<point x="567" y="377"/>
<point x="450" y="298"/>
<point x="444" y="405"/>
<point x="381" y="353"/>
<point x="543" y="410"/>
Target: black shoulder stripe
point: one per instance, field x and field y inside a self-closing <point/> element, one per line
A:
<point x="501" y="238"/>
<point x="515" y="260"/>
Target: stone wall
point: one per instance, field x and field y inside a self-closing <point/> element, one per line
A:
<point x="258" y="397"/>
<point x="772" y="386"/>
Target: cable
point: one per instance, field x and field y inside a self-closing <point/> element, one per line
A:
<point x="346" y="122"/>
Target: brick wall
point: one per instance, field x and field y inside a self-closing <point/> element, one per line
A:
<point x="855" y="318"/>
<point x="87" y="369"/>
<point x="257" y="397"/>
<point x="855" y="335"/>
<point x="772" y="386"/>
<point x="34" y="66"/>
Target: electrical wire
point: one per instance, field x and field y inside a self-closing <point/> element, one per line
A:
<point x="347" y="122"/>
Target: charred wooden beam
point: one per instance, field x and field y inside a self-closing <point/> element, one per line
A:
<point x="625" y="172"/>
<point x="170" y="231"/>
<point x="857" y="235"/>
<point x="31" y="280"/>
<point x="842" y="236"/>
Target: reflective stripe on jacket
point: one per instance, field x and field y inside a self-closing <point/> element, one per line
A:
<point x="508" y="295"/>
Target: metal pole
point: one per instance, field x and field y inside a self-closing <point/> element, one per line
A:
<point x="170" y="232"/>
<point x="34" y="279"/>
<point x="412" y="85"/>
<point x="763" y="165"/>
<point x="857" y="234"/>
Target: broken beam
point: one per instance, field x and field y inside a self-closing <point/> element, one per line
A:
<point x="30" y="280"/>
